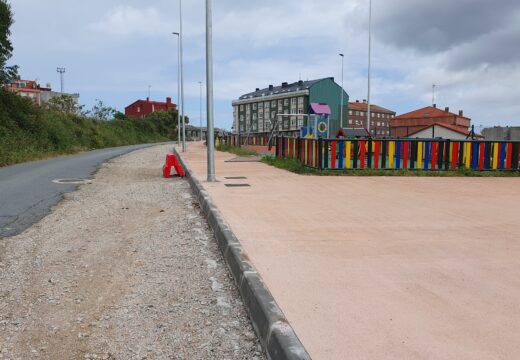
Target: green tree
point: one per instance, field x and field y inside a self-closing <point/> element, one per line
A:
<point x="101" y="112"/>
<point x="6" y="47"/>
<point x="65" y="104"/>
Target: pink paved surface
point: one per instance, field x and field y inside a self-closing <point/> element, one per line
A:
<point x="381" y="268"/>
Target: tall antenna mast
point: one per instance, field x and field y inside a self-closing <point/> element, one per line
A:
<point x="61" y="71"/>
<point x="433" y="94"/>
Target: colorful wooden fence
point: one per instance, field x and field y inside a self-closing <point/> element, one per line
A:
<point x="410" y="154"/>
<point x="240" y="140"/>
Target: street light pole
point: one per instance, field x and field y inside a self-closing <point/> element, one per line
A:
<point x="369" y="62"/>
<point x="209" y="92"/>
<point x="182" y="80"/>
<point x="341" y="112"/>
<point x="200" y="106"/>
<point x="61" y="71"/>
<point x="178" y="87"/>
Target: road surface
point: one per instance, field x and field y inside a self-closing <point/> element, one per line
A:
<point x="27" y="192"/>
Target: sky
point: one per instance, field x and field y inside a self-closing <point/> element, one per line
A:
<point x="113" y="50"/>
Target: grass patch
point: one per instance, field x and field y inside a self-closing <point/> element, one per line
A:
<point x="297" y="168"/>
<point x="235" y="150"/>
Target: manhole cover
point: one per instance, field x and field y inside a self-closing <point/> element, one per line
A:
<point x="71" y="181"/>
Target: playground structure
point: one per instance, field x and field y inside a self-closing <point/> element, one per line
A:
<point x="395" y="154"/>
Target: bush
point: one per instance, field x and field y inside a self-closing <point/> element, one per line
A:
<point x="28" y="132"/>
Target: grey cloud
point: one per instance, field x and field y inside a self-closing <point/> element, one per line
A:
<point x="437" y="26"/>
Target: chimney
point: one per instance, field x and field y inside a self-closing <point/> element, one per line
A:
<point x="147" y="99"/>
<point x="300" y="82"/>
<point x="168" y="100"/>
<point x="435" y="106"/>
<point x="364" y="101"/>
<point x="284" y="84"/>
<point x="271" y="87"/>
<point x="357" y="101"/>
<point x="461" y="113"/>
<point x="447" y="109"/>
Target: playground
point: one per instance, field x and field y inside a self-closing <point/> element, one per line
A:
<point x="381" y="267"/>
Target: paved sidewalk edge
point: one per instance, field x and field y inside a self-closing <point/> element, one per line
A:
<point x="272" y="328"/>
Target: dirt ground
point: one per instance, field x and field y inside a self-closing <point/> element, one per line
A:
<point x="124" y="268"/>
<point x="381" y="267"/>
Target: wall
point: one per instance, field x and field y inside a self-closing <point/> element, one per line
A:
<point x="502" y="133"/>
<point x="440" y="132"/>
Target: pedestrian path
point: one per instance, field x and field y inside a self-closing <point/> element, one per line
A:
<point x="380" y="267"/>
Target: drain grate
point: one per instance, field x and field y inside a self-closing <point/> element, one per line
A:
<point x="237" y="185"/>
<point x="235" y="177"/>
<point x="71" y="181"/>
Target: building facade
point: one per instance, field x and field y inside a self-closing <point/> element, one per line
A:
<point x="509" y="133"/>
<point x="142" y="108"/>
<point x="442" y="131"/>
<point x="380" y="118"/>
<point x="35" y="92"/>
<point x="409" y="123"/>
<point x="256" y="112"/>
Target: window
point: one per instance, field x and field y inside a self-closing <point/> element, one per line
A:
<point x="286" y="102"/>
<point x="273" y="103"/>
<point x="300" y="111"/>
<point x="273" y="115"/>
<point x="293" y="122"/>
<point x="378" y="123"/>
<point x="279" y="103"/>
<point x="373" y="115"/>
<point x="260" y="116"/>
<point x="294" y="101"/>
<point x="254" y="116"/>
<point x="350" y="112"/>
<point x="260" y="106"/>
<point x="266" y="105"/>
<point x="241" y="107"/>
<point x="254" y="106"/>
<point x="379" y="116"/>
<point x="300" y="121"/>
<point x="300" y="100"/>
<point x="138" y="109"/>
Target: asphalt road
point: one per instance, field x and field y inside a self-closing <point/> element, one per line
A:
<point x="27" y="192"/>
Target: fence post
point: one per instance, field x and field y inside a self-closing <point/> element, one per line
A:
<point x="320" y="153"/>
<point x="282" y="146"/>
<point x="447" y="157"/>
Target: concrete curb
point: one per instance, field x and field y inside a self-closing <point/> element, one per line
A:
<point x="272" y="328"/>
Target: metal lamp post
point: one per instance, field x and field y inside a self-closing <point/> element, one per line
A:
<point x="341" y="111"/>
<point x="209" y="91"/>
<point x="178" y="86"/>
<point x="369" y="62"/>
<point x="200" y="108"/>
<point x="182" y="79"/>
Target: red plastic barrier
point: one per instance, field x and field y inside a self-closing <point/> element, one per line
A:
<point x="172" y="161"/>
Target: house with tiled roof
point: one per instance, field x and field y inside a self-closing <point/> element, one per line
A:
<point x="432" y="118"/>
<point x="140" y="109"/>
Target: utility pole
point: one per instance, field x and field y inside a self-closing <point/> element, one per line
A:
<point x="149" y="87"/>
<point x="369" y="62"/>
<point x="178" y="87"/>
<point x="209" y="92"/>
<point x="182" y="81"/>
<point x="61" y="71"/>
<point x="341" y="111"/>
<point x="200" y="106"/>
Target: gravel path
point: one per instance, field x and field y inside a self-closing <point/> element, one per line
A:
<point x="124" y="268"/>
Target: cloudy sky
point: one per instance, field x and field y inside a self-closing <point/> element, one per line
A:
<point x="114" y="49"/>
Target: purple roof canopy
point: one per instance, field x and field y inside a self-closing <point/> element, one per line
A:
<point x="320" y="108"/>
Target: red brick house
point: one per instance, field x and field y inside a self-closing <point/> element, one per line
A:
<point x="412" y="122"/>
<point x="142" y="108"/>
<point x="380" y="123"/>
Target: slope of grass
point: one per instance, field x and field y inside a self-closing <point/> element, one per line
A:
<point x="235" y="150"/>
<point x="28" y="132"/>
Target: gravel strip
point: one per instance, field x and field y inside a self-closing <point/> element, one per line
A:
<point x="124" y="268"/>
